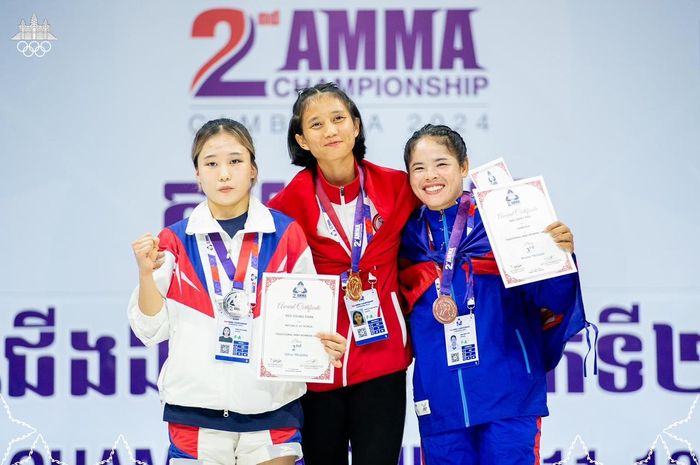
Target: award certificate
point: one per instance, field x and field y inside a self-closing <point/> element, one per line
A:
<point x="294" y="308"/>
<point x="493" y="173"/>
<point x="515" y="216"/>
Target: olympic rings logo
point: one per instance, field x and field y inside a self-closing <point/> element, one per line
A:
<point x="34" y="48"/>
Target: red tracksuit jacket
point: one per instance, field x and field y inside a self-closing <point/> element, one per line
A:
<point x="391" y="196"/>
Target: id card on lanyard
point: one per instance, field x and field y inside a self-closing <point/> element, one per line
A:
<point x="366" y="320"/>
<point x="460" y="341"/>
<point x="234" y="316"/>
<point x="363" y="307"/>
<point x="234" y="336"/>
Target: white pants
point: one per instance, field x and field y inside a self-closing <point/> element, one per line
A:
<point x="214" y="447"/>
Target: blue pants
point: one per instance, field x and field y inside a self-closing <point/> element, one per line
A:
<point x="511" y="441"/>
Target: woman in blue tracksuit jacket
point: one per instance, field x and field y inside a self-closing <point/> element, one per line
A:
<point x="487" y="412"/>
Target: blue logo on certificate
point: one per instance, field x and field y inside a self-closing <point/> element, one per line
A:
<point x="299" y="291"/>
<point x="512" y="198"/>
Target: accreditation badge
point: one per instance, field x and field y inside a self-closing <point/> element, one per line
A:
<point x="460" y="342"/>
<point x="366" y="321"/>
<point x="233" y="337"/>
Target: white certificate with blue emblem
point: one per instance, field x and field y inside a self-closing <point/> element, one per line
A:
<point x="294" y="309"/>
<point x="515" y="216"/>
<point x="490" y="174"/>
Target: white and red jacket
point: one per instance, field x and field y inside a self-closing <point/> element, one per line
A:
<point x="191" y="376"/>
<point x="391" y="201"/>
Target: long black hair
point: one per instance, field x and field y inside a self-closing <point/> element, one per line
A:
<point x="298" y="155"/>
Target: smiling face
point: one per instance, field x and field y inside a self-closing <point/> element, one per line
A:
<point x="226" y="174"/>
<point x="435" y="174"/>
<point x="328" y="130"/>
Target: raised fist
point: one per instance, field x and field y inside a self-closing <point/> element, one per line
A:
<point x="146" y="252"/>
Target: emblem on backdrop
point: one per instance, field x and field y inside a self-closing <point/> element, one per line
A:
<point x="34" y="39"/>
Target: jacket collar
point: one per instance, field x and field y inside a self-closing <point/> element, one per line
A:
<point x="435" y="215"/>
<point x="350" y="190"/>
<point x="259" y="219"/>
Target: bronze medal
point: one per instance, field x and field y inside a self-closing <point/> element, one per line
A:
<point x="445" y="309"/>
<point x="353" y="288"/>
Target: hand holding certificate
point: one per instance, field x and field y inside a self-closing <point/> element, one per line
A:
<point x="295" y="309"/>
<point x="516" y="216"/>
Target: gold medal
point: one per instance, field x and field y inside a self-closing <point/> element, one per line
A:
<point x="353" y="288"/>
<point x="445" y="309"/>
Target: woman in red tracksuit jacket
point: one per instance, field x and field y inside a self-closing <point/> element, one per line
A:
<point x="352" y="212"/>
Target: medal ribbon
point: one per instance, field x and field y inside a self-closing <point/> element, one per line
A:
<point x="369" y="228"/>
<point x="358" y="227"/>
<point x="237" y="274"/>
<point x="452" y="244"/>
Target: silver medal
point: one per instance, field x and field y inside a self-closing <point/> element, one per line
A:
<point x="236" y="304"/>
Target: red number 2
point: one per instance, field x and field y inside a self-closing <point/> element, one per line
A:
<point x="204" y="26"/>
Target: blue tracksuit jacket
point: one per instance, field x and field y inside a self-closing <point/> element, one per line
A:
<point x="514" y="348"/>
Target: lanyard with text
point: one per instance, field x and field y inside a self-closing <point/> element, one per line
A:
<point x="353" y="286"/>
<point x="235" y="322"/>
<point x="237" y="302"/>
<point x="444" y="307"/>
<point x="461" y="345"/>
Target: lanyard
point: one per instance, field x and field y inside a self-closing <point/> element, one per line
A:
<point x="362" y="220"/>
<point x="369" y="228"/>
<point x="455" y="237"/>
<point x="237" y="274"/>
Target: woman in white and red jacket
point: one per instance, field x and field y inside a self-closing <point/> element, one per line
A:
<point x="202" y="293"/>
<point x="352" y="212"/>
